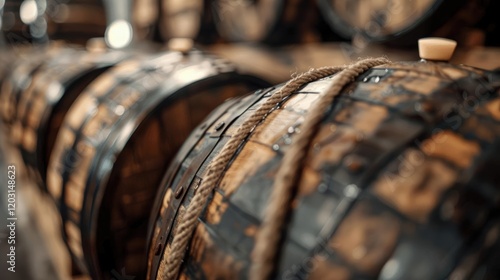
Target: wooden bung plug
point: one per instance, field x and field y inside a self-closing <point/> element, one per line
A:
<point x="439" y="49"/>
<point x="183" y="45"/>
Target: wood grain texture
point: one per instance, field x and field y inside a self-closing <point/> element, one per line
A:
<point x="398" y="159"/>
<point x="41" y="108"/>
<point x="116" y="142"/>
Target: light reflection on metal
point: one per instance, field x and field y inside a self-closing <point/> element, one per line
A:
<point x="119" y="34"/>
<point x="28" y="11"/>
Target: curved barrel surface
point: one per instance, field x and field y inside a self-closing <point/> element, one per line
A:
<point x="115" y="143"/>
<point x="399" y="181"/>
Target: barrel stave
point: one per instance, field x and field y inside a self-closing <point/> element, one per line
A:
<point x="272" y="21"/>
<point x="140" y="112"/>
<point x="42" y="107"/>
<point x="373" y="188"/>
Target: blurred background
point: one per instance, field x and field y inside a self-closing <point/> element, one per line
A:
<point x="287" y="34"/>
<point x="271" y="39"/>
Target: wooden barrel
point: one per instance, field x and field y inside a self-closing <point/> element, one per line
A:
<point x="145" y="18"/>
<point x="399" y="181"/>
<point x="8" y="59"/>
<point x="188" y="19"/>
<point x="115" y="143"/>
<point x="35" y="21"/>
<point x="42" y="106"/>
<point x="398" y="22"/>
<point x="3" y="43"/>
<point x="23" y="22"/>
<point x="20" y="65"/>
<point x="272" y="21"/>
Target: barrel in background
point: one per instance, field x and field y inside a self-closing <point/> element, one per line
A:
<point x="41" y="107"/>
<point x="401" y="23"/>
<point x="399" y="177"/>
<point x="21" y="63"/>
<point x="115" y="143"/>
<point x="273" y="22"/>
<point x="75" y="21"/>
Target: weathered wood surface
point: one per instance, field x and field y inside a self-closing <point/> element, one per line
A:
<point x="43" y="103"/>
<point x="385" y="21"/>
<point x="278" y="64"/>
<point x="400" y="181"/>
<point x="114" y="146"/>
<point x="74" y="21"/>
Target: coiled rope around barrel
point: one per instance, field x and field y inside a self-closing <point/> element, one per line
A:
<point x="269" y="236"/>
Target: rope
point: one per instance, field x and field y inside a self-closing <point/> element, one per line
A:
<point x="269" y="236"/>
<point x="171" y="261"/>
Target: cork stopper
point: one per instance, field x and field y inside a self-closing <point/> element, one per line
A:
<point x="96" y="45"/>
<point x="183" y="45"/>
<point x="439" y="49"/>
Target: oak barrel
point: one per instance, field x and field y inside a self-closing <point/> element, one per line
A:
<point x="42" y="106"/>
<point x="394" y="22"/>
<point x="271" y="21"/>
<point x="114" y="146"/>
<point x="399" y="181"/>
<point x="188" y="19"/>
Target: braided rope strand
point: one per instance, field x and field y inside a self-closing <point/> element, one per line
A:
<point x="267" y="243"/>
